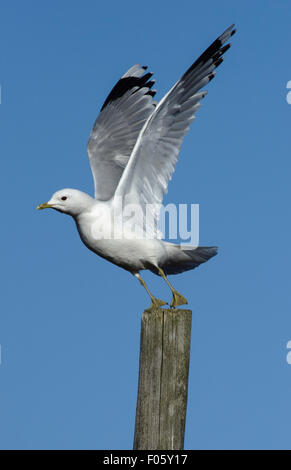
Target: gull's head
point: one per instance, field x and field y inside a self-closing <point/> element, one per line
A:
<point x="69" y="201"/>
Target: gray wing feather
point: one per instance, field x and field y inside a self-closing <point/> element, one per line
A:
<point x="154" y="157"/>
<point x="117" y="127"/>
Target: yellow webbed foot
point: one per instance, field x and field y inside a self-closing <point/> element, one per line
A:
<point x="156" y="304"/>
<point x="178" y="299"/>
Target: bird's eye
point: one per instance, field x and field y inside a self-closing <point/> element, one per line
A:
<point x="64" y="198"/>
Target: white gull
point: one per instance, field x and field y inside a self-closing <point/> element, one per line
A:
<point x="133" y="150"/>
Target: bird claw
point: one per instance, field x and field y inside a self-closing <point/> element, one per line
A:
<point x="156" y="304"/>
<point x="178" y="299"/>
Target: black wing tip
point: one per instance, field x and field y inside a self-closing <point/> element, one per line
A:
<point x="225" y="48"/>
<point x="226" y="35"/>
<point x="214" y="51"/>
<point x="151" y="93"/>
<point x="229" y="31"/>
<point x="126" y="84"/>
<point x="146" y="77"/>
<point x="211" y="76"/>
<point x="218" y="62"/>
<point x="151" y="83"/>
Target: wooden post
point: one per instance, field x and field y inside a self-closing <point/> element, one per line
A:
<point x="163" y="380"/>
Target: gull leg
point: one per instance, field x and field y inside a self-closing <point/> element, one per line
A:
<point x="178" y="299"/>
<point x="156" y="303"/>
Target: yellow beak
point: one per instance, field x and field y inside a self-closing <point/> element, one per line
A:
<point x="45" y="205"/>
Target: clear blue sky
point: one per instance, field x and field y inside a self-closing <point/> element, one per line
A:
<point x="70" y="321"/>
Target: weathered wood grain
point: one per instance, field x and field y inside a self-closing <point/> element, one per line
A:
<point x="163" y="379"/>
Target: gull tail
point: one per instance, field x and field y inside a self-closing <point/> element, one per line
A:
<point x="181" y="259"/>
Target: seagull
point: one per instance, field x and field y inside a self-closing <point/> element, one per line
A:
<point x="133" y="150"/>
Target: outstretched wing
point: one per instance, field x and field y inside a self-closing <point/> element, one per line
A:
<point x="117" y="127"/>
<point x="155" y="154"/>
